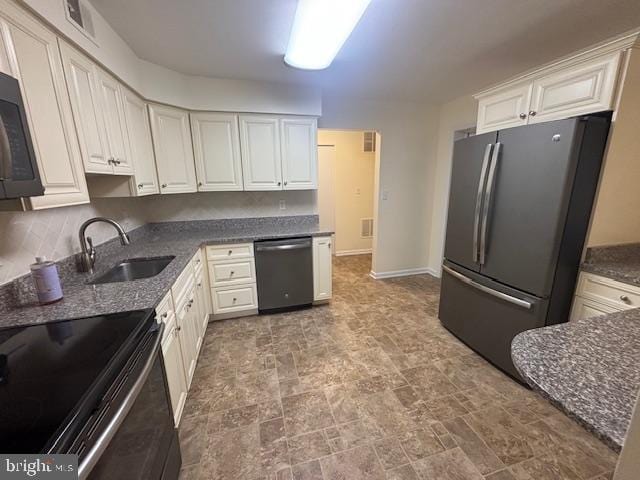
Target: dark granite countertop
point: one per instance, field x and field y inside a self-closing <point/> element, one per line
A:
<point x="18" y="305"/>
<point x="618" y="262"/>
<point x="588" y="368"/>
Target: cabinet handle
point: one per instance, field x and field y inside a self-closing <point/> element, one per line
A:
<point x="523" y="116"/>
<point x="329" y="244"/>
<point x="625" y="299"/>
<point x="533" y="113"/>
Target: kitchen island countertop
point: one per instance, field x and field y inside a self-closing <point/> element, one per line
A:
<point x="588" y="368"/>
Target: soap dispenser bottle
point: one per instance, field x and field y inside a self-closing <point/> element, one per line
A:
<point x="46" y="281"/>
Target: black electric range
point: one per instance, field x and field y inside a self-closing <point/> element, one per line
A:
<point x="88" y="386"/>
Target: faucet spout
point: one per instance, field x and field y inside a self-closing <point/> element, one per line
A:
<point x="87" y="257"/>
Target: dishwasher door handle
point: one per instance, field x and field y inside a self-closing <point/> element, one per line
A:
<point x="288" y="246"/>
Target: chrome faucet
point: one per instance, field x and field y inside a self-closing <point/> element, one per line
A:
<point x="87" y="258"/>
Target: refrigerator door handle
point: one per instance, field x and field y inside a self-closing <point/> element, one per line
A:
<point x="488" y="193"/>
<point x="481" y="184"/>
<point x="503" y="296"/>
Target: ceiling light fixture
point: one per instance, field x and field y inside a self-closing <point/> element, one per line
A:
<point x="319" y="30"/>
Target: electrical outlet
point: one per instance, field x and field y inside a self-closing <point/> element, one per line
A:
<point x="385" y="195"/>
<point x="283" y="205"/>
<point x="357" y="191"/>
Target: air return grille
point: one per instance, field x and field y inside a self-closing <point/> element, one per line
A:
<point x="369" y="142"/>
<point x="366" y="227"/>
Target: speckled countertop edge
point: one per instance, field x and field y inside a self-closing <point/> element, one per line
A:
<point x="18" y="304"/>
<point x="617" y="262"/>
<point x="590" y="369"/>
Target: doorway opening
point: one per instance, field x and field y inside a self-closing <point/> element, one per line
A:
<point x="347" y="170"/>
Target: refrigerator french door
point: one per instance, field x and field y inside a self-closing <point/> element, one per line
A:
<point x="519" y="208"/>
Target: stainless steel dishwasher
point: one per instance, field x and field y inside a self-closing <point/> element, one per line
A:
<point x="284" y="271"/>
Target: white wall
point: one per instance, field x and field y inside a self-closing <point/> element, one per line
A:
<point x="352" y="188"/>
<point x="167" y="86"/>
<point x="408" y="145"/>
<point x="458" y="114"/>
<point x="616" y="219"/>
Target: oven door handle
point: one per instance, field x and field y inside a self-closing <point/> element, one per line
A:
<point x="93" y="456"/>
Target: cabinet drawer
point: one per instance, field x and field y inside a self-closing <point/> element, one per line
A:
<point x="607" y="291"/>
<point x="197" y="261"/>
<point x="232" y="273"/>
<point x="232" y="299"/>
<point x="229" y="252"/>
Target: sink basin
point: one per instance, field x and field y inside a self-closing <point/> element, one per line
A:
<point x="134" y="269"/>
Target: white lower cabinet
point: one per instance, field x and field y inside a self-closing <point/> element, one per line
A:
<point x="597" y="295"/>
<point x="322" y="269"/>
<point x="174" y="369"/>
<point x="232" y="276"/>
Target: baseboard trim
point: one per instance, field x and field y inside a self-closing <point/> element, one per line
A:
<point x="344" y="253"/>
<point x="403" y="273"/>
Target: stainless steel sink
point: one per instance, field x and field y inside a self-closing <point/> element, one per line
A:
<point x="134" y="269"/>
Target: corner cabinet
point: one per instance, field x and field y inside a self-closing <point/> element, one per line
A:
<point x="279" y="153"/>
<point x="580" y="85"/>
<point x="145" y="179"/>
<point x="322" y="269"/>
<point x="174" y="151"/>
<point x="216" y="148"/>
<point x="32" y="56"/>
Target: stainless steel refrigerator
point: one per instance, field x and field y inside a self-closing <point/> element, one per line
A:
<point x="519" y="209"/>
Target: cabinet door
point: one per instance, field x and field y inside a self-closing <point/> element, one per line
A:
<point x="585" y="308"/>
<point x="299" y="146"/>
<point x="261" y="160"/>
<point x="175" y="373"/>
<point x="174" y="151"/>
<point x="35" y="61"/>
<point x="322" y="268"/>
<point x="203" y="309"/>
<point x="216" y="147"/>
<point x="80" y="74"/>
<point x="115" y="124"/>
<point x="584" y="88"/>
<point x="140" y="144"/>
<point x="505" y="108"/>
<point x="188" y="339"/>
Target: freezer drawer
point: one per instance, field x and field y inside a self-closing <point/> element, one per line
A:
<point x="487" y="315"/>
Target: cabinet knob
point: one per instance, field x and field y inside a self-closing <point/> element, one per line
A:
<point x="231" y="274"/>
<point x="140" y="185"/>
<point x="329" y="244"/>
<point x="199" y="184"/>
<point x="234" y="299"/>
<point x="165" y="314"/>
<point x="625" y="299"/>
<point x="230" y="252"/>
<point x="285" y="183"/>
<point x="523" y="116"/>
<point x="117" y="162"/>
<point x="279" y="183"/>
<point x="200" y="285"/>
<point x="178" y="329"/>
<point x="533" y="113"/>
<point x="164" y="185"/>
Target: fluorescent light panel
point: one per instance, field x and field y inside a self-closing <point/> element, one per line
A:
<point x="320" y="28"/>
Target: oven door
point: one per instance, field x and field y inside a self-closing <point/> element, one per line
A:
<point x="19" y="176"/>
<point x="133" y="436"/>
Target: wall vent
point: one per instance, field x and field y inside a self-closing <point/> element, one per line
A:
<point x="369" y="142"/>
<point x="79" y="15"/>
<point x="366" y="227"/>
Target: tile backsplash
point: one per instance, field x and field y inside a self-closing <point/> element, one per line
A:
<point x="53" y="233"/>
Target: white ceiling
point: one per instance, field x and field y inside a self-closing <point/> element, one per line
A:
<point x="426" y="50"/>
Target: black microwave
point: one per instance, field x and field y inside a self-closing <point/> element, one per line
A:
<point x="19" y="176"/>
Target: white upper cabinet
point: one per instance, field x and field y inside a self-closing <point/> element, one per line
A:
<point x="173" y="149"/>
<point x="505" y="108"/>
<point x="580" y="85"/>
<point x="216" y="147"/>
<point x="115" y="126"/>
<point x="261" y="160"/>
<point x="145" y="180"/>
<point x="299" y="148"/>
<point x="34" y="59"/>
<point x="586" y="87"/>
<point x="80" y="73"/>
